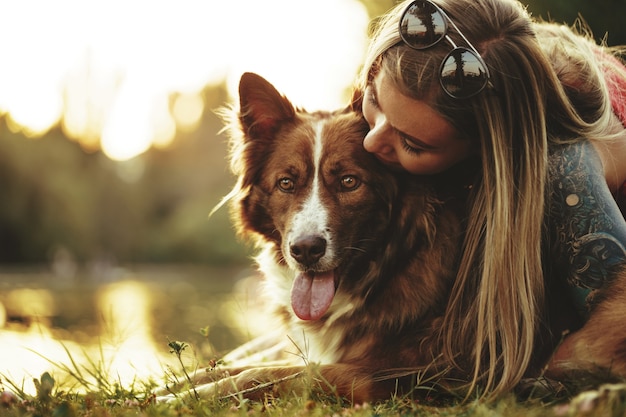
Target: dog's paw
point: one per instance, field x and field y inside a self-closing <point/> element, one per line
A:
<point x="166" y="399"/>
<point x="194" y="394"/>
<point x="602" y="401"/>
<point x="539" y="387"/>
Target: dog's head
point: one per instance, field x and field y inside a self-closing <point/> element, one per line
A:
<point x="308" y="188"/>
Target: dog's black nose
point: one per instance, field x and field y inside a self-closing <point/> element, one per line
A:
<point x="308" y="250"/>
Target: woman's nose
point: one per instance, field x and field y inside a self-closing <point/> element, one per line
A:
<point x="376" y="142"/>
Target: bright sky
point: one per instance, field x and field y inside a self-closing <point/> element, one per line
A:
<point x="106" y="69"/>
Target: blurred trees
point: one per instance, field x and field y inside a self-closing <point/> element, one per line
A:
<point x="57" y="199"/>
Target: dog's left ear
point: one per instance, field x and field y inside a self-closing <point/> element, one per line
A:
<point x="262" y="107"/>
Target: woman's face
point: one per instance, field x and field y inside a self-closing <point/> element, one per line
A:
<point x="407" y="134"/>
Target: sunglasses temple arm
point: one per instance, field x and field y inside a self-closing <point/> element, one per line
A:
<point x="450" y="41"/>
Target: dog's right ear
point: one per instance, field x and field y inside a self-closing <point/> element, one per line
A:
<point x="262" y="107"/>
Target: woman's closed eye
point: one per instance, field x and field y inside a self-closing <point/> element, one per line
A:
<point x="409" y="146"/>
<point x="370" y="95"/>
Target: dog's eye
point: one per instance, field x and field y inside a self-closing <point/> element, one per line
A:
<point x="286" y="184"/>
<point x="350" y="183"/>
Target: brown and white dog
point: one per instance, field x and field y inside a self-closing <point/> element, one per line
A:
<point x="358" y="261"/>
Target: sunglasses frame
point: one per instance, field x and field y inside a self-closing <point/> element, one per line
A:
<point x="455" y="48"/>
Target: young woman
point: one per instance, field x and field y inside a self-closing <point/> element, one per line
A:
<point x="517" y="117"/>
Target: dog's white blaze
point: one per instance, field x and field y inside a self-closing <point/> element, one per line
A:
<point x="312" y="219"/>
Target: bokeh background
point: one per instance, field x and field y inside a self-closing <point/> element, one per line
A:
<point x="112" y="156"/>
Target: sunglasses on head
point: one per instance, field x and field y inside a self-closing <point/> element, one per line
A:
<point x="463" y="73"/>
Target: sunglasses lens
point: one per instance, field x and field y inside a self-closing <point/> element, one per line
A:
<point x="422" y="25"/>
<point x="463" y="74"/>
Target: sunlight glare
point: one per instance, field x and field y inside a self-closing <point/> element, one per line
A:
<point x="128" y="131"/>
<point x="106" y="69"/>
<point x="32" y="353"/>
<point x="187" y="111"/>
<point x="125" y="350"/>
<point x="128" y="345"/>
<point x="35" y="109"/>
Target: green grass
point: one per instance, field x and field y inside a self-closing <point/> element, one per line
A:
<point x="116" y="401"/>
<point x="86" y="390"/>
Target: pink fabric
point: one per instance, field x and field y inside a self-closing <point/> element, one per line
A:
<point x="615" y="82"/>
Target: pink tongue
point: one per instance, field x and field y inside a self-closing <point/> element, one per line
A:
<point x="312" y="294"/>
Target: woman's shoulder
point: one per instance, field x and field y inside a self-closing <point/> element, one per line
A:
<point x="587" y="230"/>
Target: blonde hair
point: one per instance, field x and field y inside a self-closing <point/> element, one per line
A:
<point x="586" y="70"/>
<point x="496" y="306"/>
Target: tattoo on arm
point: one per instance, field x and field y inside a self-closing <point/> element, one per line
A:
<point x="587" y="228"/>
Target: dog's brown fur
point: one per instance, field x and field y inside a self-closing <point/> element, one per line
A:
<point x="394" y="244"/>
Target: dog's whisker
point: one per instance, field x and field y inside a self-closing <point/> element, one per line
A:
<point x="354" y="248"/>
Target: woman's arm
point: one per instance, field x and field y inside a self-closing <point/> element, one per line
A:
<point x="587" y="230"/>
